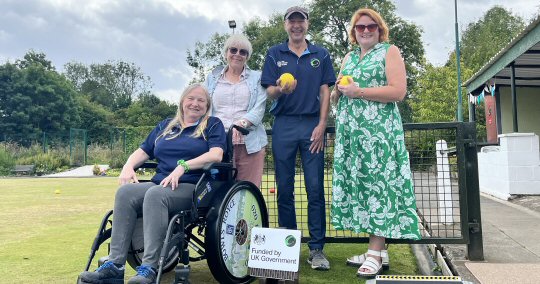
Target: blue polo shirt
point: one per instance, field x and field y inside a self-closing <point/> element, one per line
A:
<point x="311" y="70"/>
<point x="167" y="152"/>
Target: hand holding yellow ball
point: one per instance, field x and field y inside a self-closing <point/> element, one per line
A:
<point x="345" y="80"/>
<point x="286" y="78"/>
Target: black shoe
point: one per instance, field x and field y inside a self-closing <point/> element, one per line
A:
<point x="108" y="273"/>
<point x="145" y="275"/>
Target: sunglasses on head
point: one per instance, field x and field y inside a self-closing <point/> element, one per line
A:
<point x="371" y="27"/>
<point x="242" y="52"/>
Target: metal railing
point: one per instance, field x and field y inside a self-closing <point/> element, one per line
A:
<point x="445" y="183"/>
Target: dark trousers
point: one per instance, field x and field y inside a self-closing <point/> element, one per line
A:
<point x="155" y="203"/>
<point x="291" y="134"/>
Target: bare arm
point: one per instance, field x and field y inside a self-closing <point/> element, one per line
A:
<point x="214" y="155"/>
<point x="136" y="159"/>
<point x="396" y="78"/>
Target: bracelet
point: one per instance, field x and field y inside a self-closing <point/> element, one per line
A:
<point x="184" y="165"/>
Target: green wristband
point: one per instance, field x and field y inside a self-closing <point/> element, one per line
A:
<point x="184" y="165"/>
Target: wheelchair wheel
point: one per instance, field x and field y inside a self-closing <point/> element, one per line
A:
<point x="136" y="250"/>
<point x="228" y="231"/>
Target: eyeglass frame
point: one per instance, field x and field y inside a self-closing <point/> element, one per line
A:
<point x="239" y="51"/>
<point x="362" y="28"/>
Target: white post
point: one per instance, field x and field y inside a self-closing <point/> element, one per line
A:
<point x="444" y="188"/>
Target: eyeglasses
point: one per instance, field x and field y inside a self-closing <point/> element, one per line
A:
<point x="371" y="27"/>
<point x="242" y="52"/>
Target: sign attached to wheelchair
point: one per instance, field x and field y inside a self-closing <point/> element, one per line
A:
<point x="274" y="253"/>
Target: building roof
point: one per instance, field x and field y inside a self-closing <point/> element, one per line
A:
<point x="523" y="51"/>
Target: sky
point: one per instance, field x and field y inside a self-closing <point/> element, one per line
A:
<point x="156" y="34"/>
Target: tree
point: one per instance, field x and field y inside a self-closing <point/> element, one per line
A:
<point x="262" y="36"/>
<point x="481" y="40"/>
<point x="206" y="56"/>
<point x="96" y="119"/>
<point x="114" y="84"/>
<point x="147" y="110"/>
<point x="35" y="98"/>
<point x="33" y="58"/>
<point x="436" y="99"/>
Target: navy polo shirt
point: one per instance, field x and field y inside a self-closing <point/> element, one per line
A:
<point x="311" y="70"/>
<point x="167" y="152"/>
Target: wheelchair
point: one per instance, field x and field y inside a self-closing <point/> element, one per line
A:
<point x="216" y="228"/>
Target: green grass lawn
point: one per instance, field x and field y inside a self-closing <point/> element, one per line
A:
<point x="46" y="237"/>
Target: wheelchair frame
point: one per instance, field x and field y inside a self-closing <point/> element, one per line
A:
<point x="207" y="214"/>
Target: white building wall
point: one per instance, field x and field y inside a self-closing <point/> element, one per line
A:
<point x="511" y="168"/>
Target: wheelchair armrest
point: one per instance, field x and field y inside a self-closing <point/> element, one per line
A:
<point x="147" y="165"/>
<point x="217" y="166"/>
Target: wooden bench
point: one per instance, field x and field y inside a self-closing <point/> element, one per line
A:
<point x="24" y="169"/>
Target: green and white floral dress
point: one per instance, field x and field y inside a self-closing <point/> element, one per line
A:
<point x="372" y="186"/>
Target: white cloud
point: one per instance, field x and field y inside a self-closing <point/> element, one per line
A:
<point x="169" y="95"/>
<point x="155" y="34"/>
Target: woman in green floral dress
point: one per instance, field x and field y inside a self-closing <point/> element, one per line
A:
<point x="372" y="186"/>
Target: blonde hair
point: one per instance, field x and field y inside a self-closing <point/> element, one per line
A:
<point x="178" y="119"/>
<point x="376" y="17"/>
<point x="239" y="41"/>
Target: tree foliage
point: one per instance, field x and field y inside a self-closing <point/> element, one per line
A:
<point x="436" y="99"/>
<point x="147" y="110"/>
<point x="206" y="56"/>
<point x="114" y="84"/>
<point x="35" y="98"/>
<point x="481" y="40"/>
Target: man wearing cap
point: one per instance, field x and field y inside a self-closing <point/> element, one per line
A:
<point x="300" y="109"/>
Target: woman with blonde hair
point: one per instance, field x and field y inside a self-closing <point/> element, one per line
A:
<point x="182" y="146"/>
<point x="372" y="187"/>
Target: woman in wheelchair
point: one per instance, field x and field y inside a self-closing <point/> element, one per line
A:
<point x="182" y="146"/>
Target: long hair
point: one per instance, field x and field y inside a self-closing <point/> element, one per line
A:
<point x="178" y="120"/>
<point x="376" y="17"/>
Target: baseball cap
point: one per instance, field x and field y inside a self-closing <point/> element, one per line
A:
<point x="296" y="9"/>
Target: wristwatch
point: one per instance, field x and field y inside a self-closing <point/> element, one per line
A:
<point x="243" y="123"/>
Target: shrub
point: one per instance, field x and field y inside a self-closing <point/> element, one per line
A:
<point x="49" y="162"/>
<point x="96" y="170"/>
<point x="6" y="161"/>
<point x="99" y="154"/>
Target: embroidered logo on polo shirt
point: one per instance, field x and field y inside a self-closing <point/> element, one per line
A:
<point x="281" y="63"/>
<point x="315" y="62"/>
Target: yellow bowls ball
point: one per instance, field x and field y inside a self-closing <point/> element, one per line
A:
<point x="345" y="80"/>
<point x="286" y="78"/>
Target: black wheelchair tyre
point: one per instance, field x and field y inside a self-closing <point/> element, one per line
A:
<point x="228" y="231"/>
<point x="135" y="255"/>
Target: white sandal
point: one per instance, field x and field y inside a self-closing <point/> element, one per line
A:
<point x="358" y="260"/>
<point x="373" y="266"/>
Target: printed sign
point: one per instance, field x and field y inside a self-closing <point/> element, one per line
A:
<point x="275" y="249"/>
